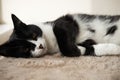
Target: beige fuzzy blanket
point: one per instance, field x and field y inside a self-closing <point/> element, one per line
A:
<point x="60" y="68"/>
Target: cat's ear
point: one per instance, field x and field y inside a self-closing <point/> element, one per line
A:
<point x="17" y="22"/>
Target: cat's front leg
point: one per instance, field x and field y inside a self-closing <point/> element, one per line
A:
<point x="67" y="46"/>
<point x="104" y="49"/>
<point x="66" y="30"/>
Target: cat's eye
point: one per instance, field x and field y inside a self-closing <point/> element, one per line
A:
<point x="34" y="36"/>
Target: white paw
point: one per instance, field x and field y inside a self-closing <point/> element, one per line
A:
<point x="107" y="49"/>
<point x="82" y="49"/>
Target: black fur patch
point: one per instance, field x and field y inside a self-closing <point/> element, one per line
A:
<point x="110" y="18"/>
<point x="87" y="18"/>
<point x="88" y="44"/>
<point x="89" y="51"/>
<point x="17" y="48"/>
<point x="24" y="31"/>
<point x="91" y="30"/>
<point x="111" y="30"/>
<point x="66" y="31"/>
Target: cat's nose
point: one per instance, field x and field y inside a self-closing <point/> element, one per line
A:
<point x="41" y="46"/>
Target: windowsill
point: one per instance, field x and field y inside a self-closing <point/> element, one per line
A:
<point x="5" y="27"/>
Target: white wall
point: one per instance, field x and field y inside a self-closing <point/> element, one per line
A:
<point x="0" y="13"/>
<point x="31" y="11"/>
<point x="105" y="6"/>
<point x="42" y="10"/>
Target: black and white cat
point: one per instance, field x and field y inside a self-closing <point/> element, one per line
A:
<point x="71" y="35"/>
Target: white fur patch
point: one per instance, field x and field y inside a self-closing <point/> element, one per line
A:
<point x="106" y="49"/>
<point x="82" y="50"/>
<point x="50" y="38"/>
<point x="38" y="52"/>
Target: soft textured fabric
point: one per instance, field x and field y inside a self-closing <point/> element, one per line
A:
<point x="60" y="68"/>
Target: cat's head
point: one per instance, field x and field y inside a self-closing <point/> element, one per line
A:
<point x="30" y="33"/>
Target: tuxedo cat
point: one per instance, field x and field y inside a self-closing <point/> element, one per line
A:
<point x="71" y="35"/>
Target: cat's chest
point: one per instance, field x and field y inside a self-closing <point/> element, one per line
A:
<point x="51" y="41"/>
<point x="50" y="38"/>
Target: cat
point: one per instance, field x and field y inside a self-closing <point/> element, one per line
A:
<point x="72" y="35"/>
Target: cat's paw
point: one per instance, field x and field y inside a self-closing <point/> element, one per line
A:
<point x="72" y="53"/>
<point x="107" y="49"/>
<point x="82" y="50"/>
